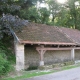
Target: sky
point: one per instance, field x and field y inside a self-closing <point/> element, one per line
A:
<point x="61" y="1"/>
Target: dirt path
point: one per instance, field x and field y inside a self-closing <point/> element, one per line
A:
<point x="72" y="74"/>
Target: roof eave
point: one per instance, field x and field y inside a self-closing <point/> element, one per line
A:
<point x="47" y="43"/>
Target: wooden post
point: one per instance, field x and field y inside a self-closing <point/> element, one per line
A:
<point x="42" y="57"/>
<point x="41" y="52"/>
<point x="72" y="54"/>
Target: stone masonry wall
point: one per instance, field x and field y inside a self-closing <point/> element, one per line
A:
<point x="51" y="57"/>
<point x="32" y="57"/>
<point x="77" y="54"/>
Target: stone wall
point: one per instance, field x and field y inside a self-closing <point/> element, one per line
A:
<point x="51" y="57"/>
<point x="32" y="57"/>
<point x="77" y="54"/>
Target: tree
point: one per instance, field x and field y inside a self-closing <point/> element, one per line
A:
<point x="14" y="8"/>
<point x="74" y="12"/>
<point x="30" y="14"/>
<point x="44" y="15"/>
<point x="66" y="14"/>
<point x="54" y="8"/>
<point x="63" y="18"/>
<point x="9" y="20"/>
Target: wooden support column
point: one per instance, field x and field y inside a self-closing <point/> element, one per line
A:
<point x="19" y="50"/>
<point x="41" y="52"/>
<point x="42" y="57"/>
<point x="72" y="54"/>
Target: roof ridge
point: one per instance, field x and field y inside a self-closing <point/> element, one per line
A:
<point x="66" y="35"/>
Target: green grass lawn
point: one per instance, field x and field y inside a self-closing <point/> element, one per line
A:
<point x="29" y="74"/>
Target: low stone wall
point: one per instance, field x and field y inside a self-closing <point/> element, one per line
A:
<point x="32" y="57"/>
<point x="51" y="57"/>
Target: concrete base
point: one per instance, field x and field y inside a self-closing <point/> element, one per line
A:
<point x="41" y="63"/>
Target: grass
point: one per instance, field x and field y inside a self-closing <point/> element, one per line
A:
<point x="29" y="74"/>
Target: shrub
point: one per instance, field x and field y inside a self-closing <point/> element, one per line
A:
<point x="5" y="61"/>
<point x="6" y="48"/>
<point x="4" y="65"/>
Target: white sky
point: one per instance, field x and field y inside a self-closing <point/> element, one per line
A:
<point x="61" y="1"/>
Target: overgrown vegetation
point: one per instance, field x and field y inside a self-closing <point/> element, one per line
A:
<point x="7" y="58"/>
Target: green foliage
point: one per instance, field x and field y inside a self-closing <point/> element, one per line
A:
<point x="4" y="64"/>
<point x="9" y="22"/>
<point x="6" y="50"/>
<point x="6" y="58"/>
<point x="44" y="15"/>
<point x="30" y="14"/>
<point x="66" y="14"/>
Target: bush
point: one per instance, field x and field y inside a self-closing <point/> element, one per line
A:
<point x="5" y="60"/>
<point x="4" y="65"/>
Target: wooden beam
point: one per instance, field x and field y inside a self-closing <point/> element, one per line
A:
<point x="47" y="43"/>
<point x="77" y="48"/>
<point x="67" y="48"/>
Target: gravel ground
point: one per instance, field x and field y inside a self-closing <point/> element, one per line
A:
<point x="72" y="74"/>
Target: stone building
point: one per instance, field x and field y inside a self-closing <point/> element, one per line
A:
<point x="40" y="44"/>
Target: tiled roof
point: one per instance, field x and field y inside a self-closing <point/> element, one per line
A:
<point x="43" y="34"/>
<point x="73" y="34"/>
